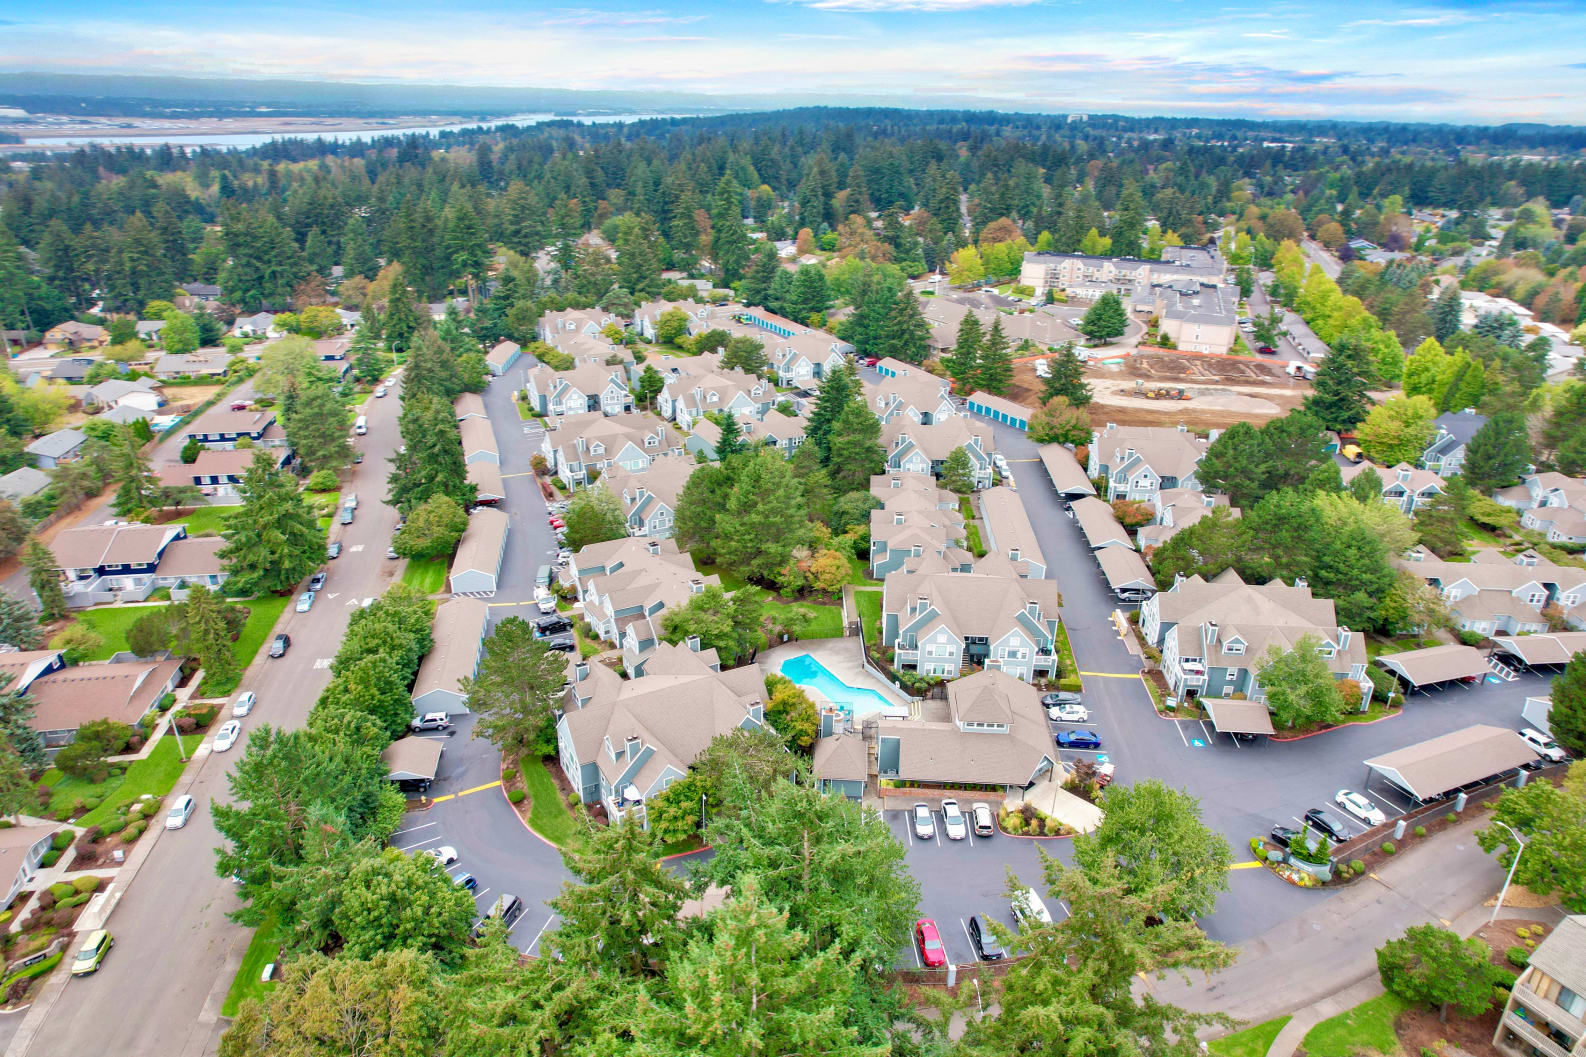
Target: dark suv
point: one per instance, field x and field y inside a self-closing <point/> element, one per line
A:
<point x="1283" y="835"/>
<point x="552" y="625"/>
<point x="280" y="644"/>
<point x="1328" y="823"/>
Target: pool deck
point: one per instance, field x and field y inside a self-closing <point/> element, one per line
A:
<point x="841" y="658"/>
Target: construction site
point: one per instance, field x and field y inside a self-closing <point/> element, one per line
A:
<point x="1168" y="389"/>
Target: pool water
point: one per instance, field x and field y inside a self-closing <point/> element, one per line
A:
<point x="857" y="701"/>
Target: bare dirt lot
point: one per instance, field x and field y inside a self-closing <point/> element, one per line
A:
<point x="1221" y="391"/>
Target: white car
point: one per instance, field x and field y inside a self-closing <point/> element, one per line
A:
<point x="954" y="824"/>
<point x="1027" y="906"/>
<point x="1042" y="370"/>
<point x="1069" y="713"/>
<point x="305" y="601"/>
<point x="1360" y="807"/>
<point x="1543" y="745"/>
<point x="180" y="812"/>
<point x="924" y="822"/>
<point x="1001" y="463"/>
<point x="445" y="854"/>
<point x="244" y="704"/>
<point x="226" y="735"/>
<point x="379" y="394"/>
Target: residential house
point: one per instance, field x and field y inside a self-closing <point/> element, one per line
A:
<point x="1082" y="277"/>
<point x="1140" y="461"/>
<point x="221" y="428"/>
<point x="502" y="356"/>
<point x="332" y="350"/>
<point x="205" y="363"/>
<point x="911" y="491"/>
<point x="1445" y="454"/>
<point x="126" y="414"/>
<point x="22" y="850"/>
<point x="575" y="445"/>
<point x="626" y="584"/>
<point x="993" y="734"/>
<point x="699" y="385"/>
<point x="219" y="471"/>
<point x="1550" y="503"/>
<point x="21" y="667"/>
<point x="258" y="325"/>
<point x="52" y="449"/>
<point x="140" y="393"/>
<point x="631" y="740"/>
<point x="915" y="448"/>
<point x="1215" y="635"/>
<point x="782" y="432"/>
<point x="73" y="370"/>
<point x="124" y="691"/>
<point x="910" y="392"/>
<point x="1008" y="531"/>
<point x="21" y="483"/>
<point x="149" y="330"/>
<point x="898" y="537"/>
<point x="201" y="291"/>
<point x="944" y="623"/>
<point x="127" y="562"/>
<point x="647" y="315"/>
<point x="1544" y="1013"/>
<point x="459" y="643"/>
<point x="798" y="354"/>
<point x="1176" y="510"/>
<point x="1404" y="487"/>
<point x="1495" y="594"/>
<point x="1043" y="327"/>
<point x="649" y="497"/>
<point x="586" y="387"/>
<point x="477" y="564"/>
<point x="588" y="322"/>
<point x="74" y="335"/>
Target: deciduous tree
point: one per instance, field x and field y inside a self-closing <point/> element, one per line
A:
<point x="594" y="515"/>
<point x="1161" y="847"/>
<point x="1398" y="429"/>
<point x="1056" y="422"/>
<point x="1434" y="966"/>
<point x="432" y="529"/>
<point x="1552" y="822"/>
<point x="1300" y="689"/>
<point x="728" y="624"/>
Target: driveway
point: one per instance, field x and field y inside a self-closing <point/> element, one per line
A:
<point x="176" y="951"/>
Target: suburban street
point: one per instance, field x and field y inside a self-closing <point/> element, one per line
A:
<point x="176" y="951"/>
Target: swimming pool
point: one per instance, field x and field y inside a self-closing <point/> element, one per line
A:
<point x="857" y="701"/>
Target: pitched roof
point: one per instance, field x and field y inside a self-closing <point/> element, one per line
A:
<point x="122" y="691"/>
<point x="1124" y="569"/>
<point x="1008" y="527"/>
<point x="194" y="556"/>
<point x="941" y="751"/>
<point x="1562" y="955"/>
<point x="1556" y="648"/>
<point x="1273" y="614"/>
<point x="1169" y="452"/>
<point x="485" y="476"/>
<point x="24" y="666"/>
<point x="88" y="546"/>
<point x="1097" y="521"/>
<point x="480" y="547"/>
<point x="1436" y="664"/>
<point x="1068" y="476"/>
<point x="1439" y="765"/>
<point x="61" y="442"/>
<point x="841" y="758"/>
<point x="459" y="629"/>
<point x="23" y="482"/>
<point x="470" y="405"/>
<point x="477" y="436"/>
<point x="412" y="758"/>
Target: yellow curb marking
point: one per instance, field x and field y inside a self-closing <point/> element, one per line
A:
<point x="1245" y="866"/>
<point x="1113" y="675"/>
<point x="465" y="792"/>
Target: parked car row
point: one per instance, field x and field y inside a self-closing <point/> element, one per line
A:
<point x="956" y="825"/>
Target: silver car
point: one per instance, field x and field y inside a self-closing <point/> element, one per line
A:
<point x="924" y="822"/>
<point x="953" y="822"/>
<point x="305" y="601"/>
<point x="244" y="704"/>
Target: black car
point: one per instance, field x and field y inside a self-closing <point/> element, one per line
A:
<point x="1328" y="823"/>
<point x="1062" y="697"/>
<point x="552" y="625"/>
<point x="1283" y="835"/>
<point x="564" y="643"/>
<point x="280" y="644"/>
<point x="985" y="940"/>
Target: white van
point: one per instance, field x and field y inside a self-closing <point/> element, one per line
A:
<point x="545" y="600"/>
<point x="361" y="426"/>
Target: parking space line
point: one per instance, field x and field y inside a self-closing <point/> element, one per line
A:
<point x="535" y="942"/>
<point x="967" y="936"/>
<point x="480" y="894"/>
<point x="1180" y="728"/>
<point x="1206" y="730"/>
<point x="421" y="843"/>
<point x="414" y="829"/>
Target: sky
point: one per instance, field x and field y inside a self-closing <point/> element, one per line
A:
<point x="1481" y="61"/>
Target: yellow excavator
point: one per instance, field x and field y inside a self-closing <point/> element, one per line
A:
<point x="1163" y="392"/>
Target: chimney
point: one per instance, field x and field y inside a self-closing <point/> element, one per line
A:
<point x="897" y="518"/>
<point x="1344" y="635"/>
<point x="653" y="546"/>
<point x="1300" y="581"/>
<point x="692" y="642"/>
<point x="1209" y="632"/>
<point x="1404" y="475"/>
<point x="632" y="749"/>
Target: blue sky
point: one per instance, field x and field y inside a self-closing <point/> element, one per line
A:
<point x="1448" y="61"/>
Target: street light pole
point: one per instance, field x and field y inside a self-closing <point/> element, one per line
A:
<point x="1513" y="863"/>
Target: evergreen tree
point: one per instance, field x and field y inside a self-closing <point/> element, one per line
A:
<point x="764" y="520"/>
<point x="45" y="579"/>
<point x="958" y="472"/>
<point x="317" y="428"/>
<point x="701" y="507"/>
<point x="433" y="462"/>
<point x="316" y="253"/>
<point x="836" y="393"/>
<point x="907" y="333"/>
<point x="963" y="362"/>
<point x="731" y="442"/>
<point x="729" y="242"/>
<point x="357" y="255"/>
<point x="855" y="453"/>
<point x="367" y="364"/>
<point x="1566" y="718"/>
<point x="1067" y="378"/>
<point x="400" y="320"/>
<point x="995" y="372"/>
<point x="517" y="689"/>
<point x="594" y="516"/>
<point x="809" y="296"/>
<point x="639" y="258"/>
<point x="1105" y="320"/>
<point x="274" y="539"/>
<point x="1339" y="399"/>
<point x="19" y="627"/>
<point x="1498" y="453"/>
<point x="763" y="271"/>
<point x="202" y="632"/>
<point x="432" y="370"/>
<point x="16" y="709"/>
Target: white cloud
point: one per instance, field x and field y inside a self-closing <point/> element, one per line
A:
<point x="881" y="6"/>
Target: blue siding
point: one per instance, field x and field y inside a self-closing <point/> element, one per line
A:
<point x="999" y="416"/>
<point x="764" y="324"/>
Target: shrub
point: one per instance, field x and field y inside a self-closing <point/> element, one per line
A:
<point x="1451" y="817"/>
<point x="517" y="796"/>
<point x="89" y="883"/>
<point x="61" y="889"/>
<point x="51" y="857"/>
<point x="148" y="808"/>
<point x="1357" y="865"/>
<point x="133" y="831"/>
<point x="1531" y="944"/>
<point x="5" y="916"/>
<point x="323" y="481"/>
<point x="1518" y="957"/>
<point x="62" y="840"/>
<point x="72" y="902"/>
<point x="185" y="724"/>
<point x="92" y="834"/>
<point x="1256" y="844"/>
<point x="45" y="900"/>
<point x="1388" y="848"/>
<point x="62" y="918"/>
<point x="1522" y="932"/>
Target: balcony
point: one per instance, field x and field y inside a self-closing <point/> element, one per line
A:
<point x="1540" y="1009"/>
<point x="1533" y="1035"/>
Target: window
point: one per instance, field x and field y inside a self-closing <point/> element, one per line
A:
<point x="1233" y="647"/>
<point x="1535" y="598"/>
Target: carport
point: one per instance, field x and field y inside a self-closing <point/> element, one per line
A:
<point x="1100" y="526"/>
<point x="1423" y="669"/>
<point x="1126" y="574"/>
<point x="1432" y="769"/>
<point x="1067" y="475"/>
<point x="412" y="763"/>
<point x="478" y="559"/>
<point x="1536" y="650"/>
<point x="1238" y="717"/>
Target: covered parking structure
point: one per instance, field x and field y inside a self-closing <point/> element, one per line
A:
<point x="1238" y="717"/>
<point x="412" y="763"/>
<point x="1440" y="766"/>
<point x="1534" y="651"/>
<point x="1068" y="476"/>
<point x="1436" y="665"/>
<point x="1098" y="524"/>
<point x="1126" y="574"/>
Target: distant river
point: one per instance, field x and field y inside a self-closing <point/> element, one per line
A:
<point x="113" y="137"/>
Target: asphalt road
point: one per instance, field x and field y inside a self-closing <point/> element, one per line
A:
<point x="159" y="993"/>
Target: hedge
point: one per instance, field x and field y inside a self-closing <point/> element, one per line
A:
<point x="31" y="971"/>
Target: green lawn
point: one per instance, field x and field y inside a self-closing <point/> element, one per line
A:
<point x="156" y="773"/>
<point x="869" y="603"/>
<point x="207" y="520"/>
<point x="1376" y="647"/>
<point x="1367" y="1027"/>
<point x="1065" y="657"/>
<point x="826" y="621"/>
<point x="1251" y="1042"/>
<point x="265" y="612"/>
<point x="730" y="581"/>
<point x="548" y="812"/>
<point x="427" y="574"/>
<point x="111" y="624"/>
<point x="264" y="948"/>
<point x="861" y="572"/>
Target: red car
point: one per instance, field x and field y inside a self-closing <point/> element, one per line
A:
<point x="557" y="523"/>
<point x="870" y="361"/>
<point x="1266" y="350"/>
<point x="932" y="953"/>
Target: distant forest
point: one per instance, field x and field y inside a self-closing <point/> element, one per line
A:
<point x="126" y="224"/>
